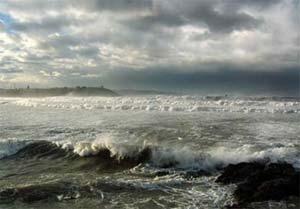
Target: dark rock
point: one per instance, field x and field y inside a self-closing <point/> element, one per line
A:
<point x="261" y="182"/>
<point x="239" y="172"/>
<point x="276" y="189"/>
<point x="7" y="195"/>
<point x="34" y="195"/>
<point x="274" y="170"/>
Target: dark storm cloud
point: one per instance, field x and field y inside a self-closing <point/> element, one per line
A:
<point x="283" y="82"/>
<point x="123" y="4"/>
<point x="177" y="13"/>
<point x="253" y="3"/>
<point x="231" y="6"/>
<point x="91" y="5"/>
<point x="223" y="22"/>
<point x="203" y="13"/>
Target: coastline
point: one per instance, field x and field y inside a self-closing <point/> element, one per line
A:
<point x="52" y="92"/>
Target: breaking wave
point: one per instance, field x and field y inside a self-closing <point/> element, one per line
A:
<point x="185" y="157"/>
<point x="164" y="104"/>
<point x="108" y="150"/>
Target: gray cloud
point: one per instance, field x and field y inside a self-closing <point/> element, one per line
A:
<point x="122" y="5"/>
<point x="11" y="70"/>
<point x="253" y="3"/>
<point x="222" y="81"/>
<point x="151" y="43"/>
<point x="2" y="26"/>
<point x="91" y="5"/>
<point x="193" y="12"/>
<point x="45" y="24"/>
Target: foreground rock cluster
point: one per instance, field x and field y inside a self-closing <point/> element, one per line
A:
<point x="257" y="181"/>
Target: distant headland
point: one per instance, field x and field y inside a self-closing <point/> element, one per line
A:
<point x="60" y="91"/>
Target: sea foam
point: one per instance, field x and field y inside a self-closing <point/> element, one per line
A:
<point x="177" y="157"/>
<point x="162" y="103"/>
<point x="184" y="157"/>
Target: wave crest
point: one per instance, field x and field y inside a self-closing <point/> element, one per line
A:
<point x="184" y="157"/>
<point x="114" y="152"/>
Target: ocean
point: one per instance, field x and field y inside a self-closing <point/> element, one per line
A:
<point x="154" y="151"/>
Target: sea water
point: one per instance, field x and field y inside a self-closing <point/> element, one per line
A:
<point x="183" y="134"/>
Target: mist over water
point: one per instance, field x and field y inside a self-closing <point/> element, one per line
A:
<point x="140" y="151"/>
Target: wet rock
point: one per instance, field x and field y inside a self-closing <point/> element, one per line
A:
<point x="278" y="189"/>
<point x="260" y="182"/>
<point x="239" y="172"/>
<point x="34" y="195"/>
<point x="7" y="195"/>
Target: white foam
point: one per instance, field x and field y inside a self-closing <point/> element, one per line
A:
<point x="160" y="103"/>
<point x="247" y="153"/>
<point x="118" y="149"/>
<point x="181" y="157"/>
<point x="186" y="158"/>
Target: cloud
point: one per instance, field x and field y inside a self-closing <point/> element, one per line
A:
<point x="222" y="81"/>
<point x="50" y="74"/>
<point x="2" y="26"/>
<point x="83" y="40"/>
<point x="203" y="13"/>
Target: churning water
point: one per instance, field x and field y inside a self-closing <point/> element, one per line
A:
<point x="140" y="151"/>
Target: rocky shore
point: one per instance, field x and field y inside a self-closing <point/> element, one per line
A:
<point x="53" y="92"/>
<point x="258" y="181"/>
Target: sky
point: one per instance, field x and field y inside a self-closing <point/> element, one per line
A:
<point x="198" y="46"/>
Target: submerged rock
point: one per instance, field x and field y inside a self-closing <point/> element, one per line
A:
<point x="261" y="181"/>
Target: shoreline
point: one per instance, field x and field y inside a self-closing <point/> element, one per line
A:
<point x="52" y="92"/>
